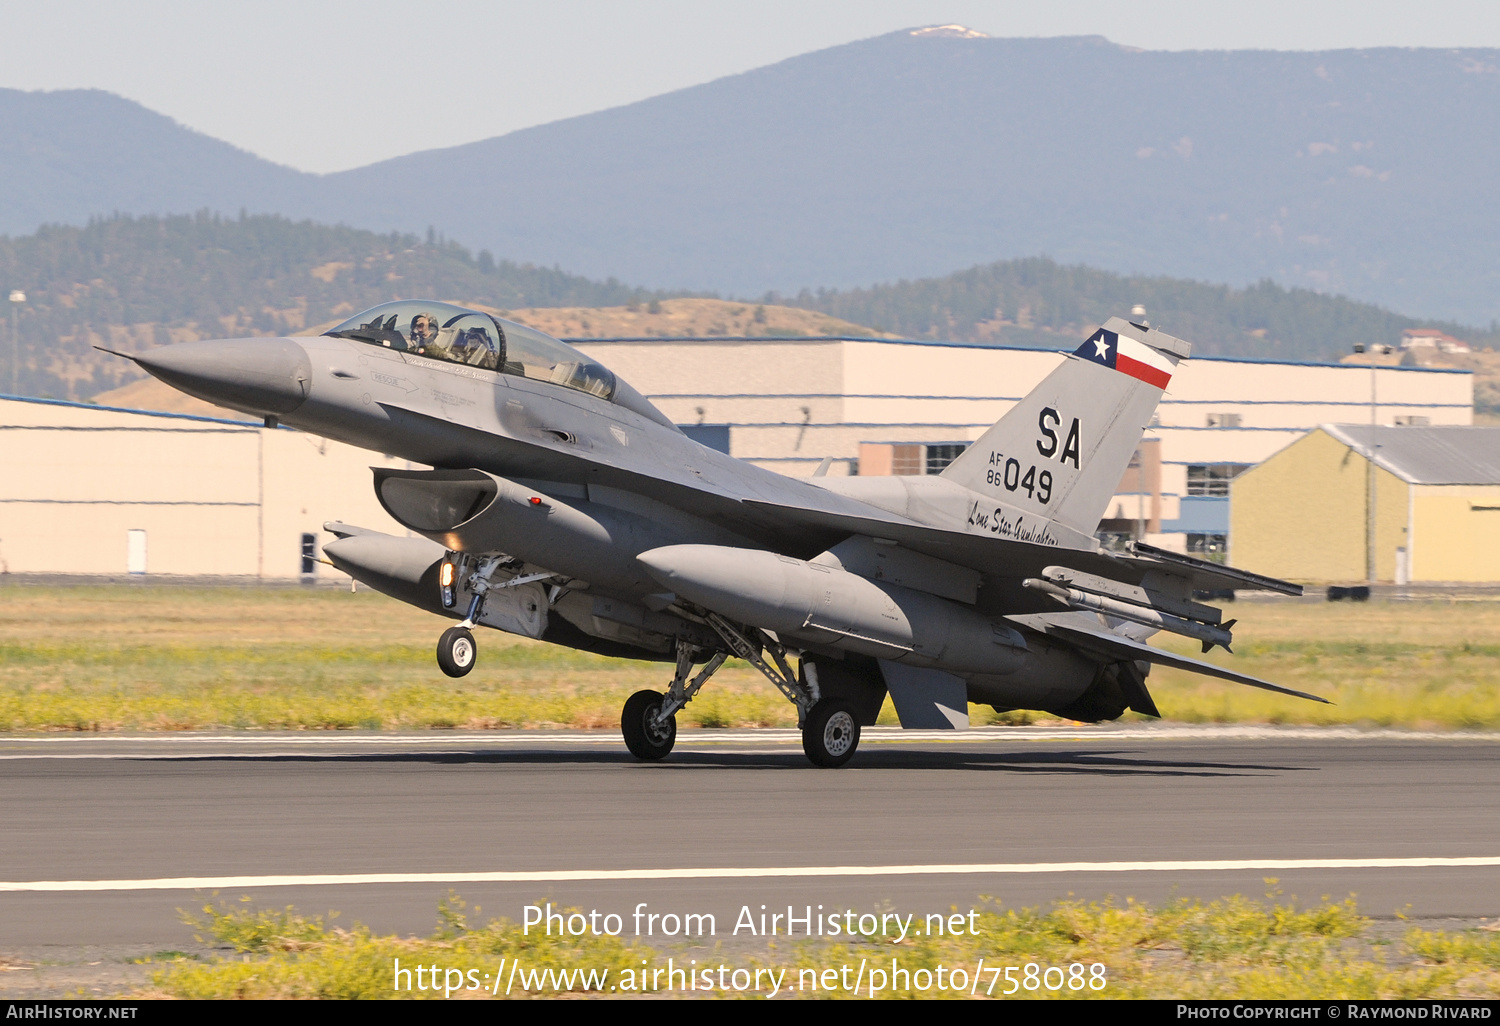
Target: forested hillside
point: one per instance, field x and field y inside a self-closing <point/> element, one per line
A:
<point x="131" y="283"/>
<point x="1044" y="304"/>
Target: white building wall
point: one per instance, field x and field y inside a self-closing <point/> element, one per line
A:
<point x="937" y="392"/>
<point x="234" y="498"/>
<point x="214" y="498"/>
<point x="966" y="388"/>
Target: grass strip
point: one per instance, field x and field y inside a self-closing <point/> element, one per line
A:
<point x="182" y="658"/>
<point x="1233" y="948"/>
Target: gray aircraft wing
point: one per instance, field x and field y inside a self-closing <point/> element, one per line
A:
<point x="1012" y="558"/>
<point x="711" y="493"/>
<point x="1112" y="646"/>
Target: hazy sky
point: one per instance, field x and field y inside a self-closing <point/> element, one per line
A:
<point x="322" y="85"/>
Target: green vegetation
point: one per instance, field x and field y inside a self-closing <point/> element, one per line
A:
<point x="181" y="658"/>
<point x="1430" y="665"/>
<point x="281" y="954"/>
<point x="1036" y="302"/>
<point x="132" y="283"/>
<point x="131" y="657"/>
<point x="1232" y="948"/>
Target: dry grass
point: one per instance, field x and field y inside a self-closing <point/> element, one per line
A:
<point x="1234" y="948"/>
<point x="169" y="658"/>
<point x="184" y="658"/>
<point x="1410" y="664"/>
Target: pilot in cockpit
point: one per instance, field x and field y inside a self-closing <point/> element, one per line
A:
<point x="424" y="331"/>
<point x="474" y="346"/>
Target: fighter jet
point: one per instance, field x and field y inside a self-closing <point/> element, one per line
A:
<point x="561" y="505"/>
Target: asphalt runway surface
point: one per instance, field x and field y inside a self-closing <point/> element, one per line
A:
<point x="105" y="838"/>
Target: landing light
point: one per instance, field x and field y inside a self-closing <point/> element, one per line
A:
<point x="445" y="578"/>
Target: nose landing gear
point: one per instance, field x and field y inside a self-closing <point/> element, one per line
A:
<point x="456" y="651"/>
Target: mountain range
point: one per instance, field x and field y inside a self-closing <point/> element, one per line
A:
<point x="1369" y="173"/>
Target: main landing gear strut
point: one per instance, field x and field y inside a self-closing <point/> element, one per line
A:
<point x="830" y="729"/>
<point x="649" y="721"/>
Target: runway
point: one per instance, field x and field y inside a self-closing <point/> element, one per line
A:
<point x="106" y="837"/>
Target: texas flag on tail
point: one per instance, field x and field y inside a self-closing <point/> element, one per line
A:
<point x="1126" y="355"/>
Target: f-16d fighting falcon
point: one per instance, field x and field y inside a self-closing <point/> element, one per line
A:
<point x="561" y="505"/>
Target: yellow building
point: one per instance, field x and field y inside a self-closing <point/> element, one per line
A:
<point x="882" y="406"/>
<point x="1434" y="492"/>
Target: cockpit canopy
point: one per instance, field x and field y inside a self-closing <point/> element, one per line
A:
<point x="441" y="331"/>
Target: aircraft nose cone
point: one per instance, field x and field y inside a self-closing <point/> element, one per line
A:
<point x="263" y="376"/>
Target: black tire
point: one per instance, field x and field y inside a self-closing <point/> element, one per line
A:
<point x="456" y="651"/>
<point x="646" y="740"/>
<point x="831" y="733"/>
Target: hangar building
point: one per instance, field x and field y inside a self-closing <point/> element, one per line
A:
<point x="1306" y="513"/>
<point x="95" y="490"/>
<point x="883" y="407"/>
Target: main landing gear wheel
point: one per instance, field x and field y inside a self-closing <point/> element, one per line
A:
<point x="646" y="736"/>
<point x="456" y="651"/>
<point x="831" y="733"/>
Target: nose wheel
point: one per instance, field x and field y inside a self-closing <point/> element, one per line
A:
<point x="456" y="651"/>
<point x="648" y="734"/>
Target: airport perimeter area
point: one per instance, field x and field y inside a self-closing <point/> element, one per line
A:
<point x="305" y="754"/>
<point x="141" y="657"/>
<point x="1178" y="862"/>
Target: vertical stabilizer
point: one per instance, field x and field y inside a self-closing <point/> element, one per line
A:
<point x="1060" y="453"/>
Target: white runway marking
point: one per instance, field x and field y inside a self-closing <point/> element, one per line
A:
<point x="169" y="746"/>
<point x="735" y="873"/>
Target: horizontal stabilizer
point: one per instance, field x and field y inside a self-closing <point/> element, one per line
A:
<point x="1113" y="646"/>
